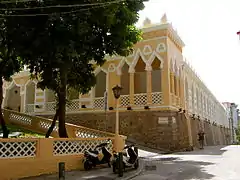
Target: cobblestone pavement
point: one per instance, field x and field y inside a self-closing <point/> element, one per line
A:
<point x="213" y="163"/>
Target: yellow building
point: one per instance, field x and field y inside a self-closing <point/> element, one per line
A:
<point x="163" y="103"/>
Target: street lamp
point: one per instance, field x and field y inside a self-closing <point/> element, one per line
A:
<point x="238" y="33"/>
<point x="117" y="92"/>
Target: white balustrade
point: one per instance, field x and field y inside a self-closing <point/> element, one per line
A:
<point x="73" y="105"/>
<point x="29" y="108"/>
<point x="156" y="98"/>
<point x="140" y="99"/>
<point x="14" y="117"/>
<point x="50" y="106"/>
<point x="124" y="100"/>
<point x="17" y="149"/>
<point x="46" y="125"/>
<point x="98" y="103"/>
<point x="76" y="147"/>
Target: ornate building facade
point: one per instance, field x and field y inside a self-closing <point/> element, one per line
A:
<point x="163" y="103"/>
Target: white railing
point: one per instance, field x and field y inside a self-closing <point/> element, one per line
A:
<point x="125" y="100"/>
<point x="76" y="147"/>
<point x="74" y="105"/>
<point x="29" y="108"/>
<point x="98" y="103"/>
<point x="23" y="148"/>
<point x="140" y="99"/>
<point x="157" y="98"/>
<point x="18" y="149"/>
<point x="50" y="106"/>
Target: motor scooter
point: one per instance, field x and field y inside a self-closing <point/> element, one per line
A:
<point x="130" y="159"/>
<point x="92" y="158"/>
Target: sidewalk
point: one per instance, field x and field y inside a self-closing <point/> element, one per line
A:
<point x="100" y="173"/>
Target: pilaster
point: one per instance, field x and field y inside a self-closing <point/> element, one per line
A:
<point x="131" y="76"/>
<point x="149" y="84"/>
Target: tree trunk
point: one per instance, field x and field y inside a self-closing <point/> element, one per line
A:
<point x="2" y="121"/>
<point x="50" y="130"/>
<point x="62" y="105"/>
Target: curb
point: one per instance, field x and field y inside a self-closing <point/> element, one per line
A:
<point x="135" y="174"/>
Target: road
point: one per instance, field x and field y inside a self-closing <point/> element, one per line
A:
<point x="213" y="163"/>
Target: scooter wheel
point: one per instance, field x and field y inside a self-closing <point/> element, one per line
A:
<point x="114" y="168"/>
<point x="87" y="166"/>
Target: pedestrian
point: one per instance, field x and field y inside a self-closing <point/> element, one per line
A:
<point x="201" y="138"/>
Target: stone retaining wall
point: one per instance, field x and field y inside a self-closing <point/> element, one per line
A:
<point x="164" y="130"/>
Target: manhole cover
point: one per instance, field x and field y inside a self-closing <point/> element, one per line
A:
<point x="100" y="178"/>
<point x="151" y="168"/>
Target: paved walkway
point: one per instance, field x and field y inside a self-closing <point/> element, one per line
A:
<point x="213" y="163"/>
<point x="101" y="173"/>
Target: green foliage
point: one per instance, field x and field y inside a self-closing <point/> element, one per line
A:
<point x="58" y="46"/>
<point x="69" y="37"/>
<point x="10" y="63"/>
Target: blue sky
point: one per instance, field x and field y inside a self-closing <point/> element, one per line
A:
<point x="208" y="28"/>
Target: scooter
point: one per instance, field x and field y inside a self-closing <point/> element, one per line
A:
<point x="130" y="159"/>
<point x="92" y="157"/>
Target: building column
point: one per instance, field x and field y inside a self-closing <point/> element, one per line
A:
<point x="149" y="84"/>
<point x="172" y="89"/>
<point x="172" y="82"/>
<point x="181" y="93"/>
<point x="22" y="95"/>
<point x="131" y="85"/>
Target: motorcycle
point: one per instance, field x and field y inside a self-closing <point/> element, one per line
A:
<point x="130" y="159"/>
<point x="92" y="158"/>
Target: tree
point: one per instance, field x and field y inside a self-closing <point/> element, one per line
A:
<point x="10" y="63"/>
<point x="60" y="43"/>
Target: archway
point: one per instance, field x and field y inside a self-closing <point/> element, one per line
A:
<point x="101" y="82"/>
<point x="140" y="77"/>
<point x="13" y="98"/>
<point x="156" y="76"/>
<point x="125" y="81"/>
<point x="30" y="97"/>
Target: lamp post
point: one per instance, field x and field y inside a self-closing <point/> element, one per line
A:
<point x="117" y="145"/>
<point x="238" y="33"/>
<point x="117" y="92"/>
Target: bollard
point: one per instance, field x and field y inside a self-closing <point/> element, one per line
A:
<point x="120" y="165"/>
<point x="61" y="171"/>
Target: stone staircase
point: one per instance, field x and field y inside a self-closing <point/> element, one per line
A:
<point x="41" y="125"/>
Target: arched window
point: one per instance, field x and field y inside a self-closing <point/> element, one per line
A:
<point x="101" y="82"/>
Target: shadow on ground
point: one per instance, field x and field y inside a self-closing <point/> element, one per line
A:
<point x="177" y="169"/>
<point x="209" y="150"/>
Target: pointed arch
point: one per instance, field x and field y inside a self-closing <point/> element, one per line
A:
<point x="125" y="79"/>
<point x="12" y="99"/>
<point x="140" y="77"/>
<point x="155" y="56"/>
<point x="101" y="83"/>
<point x="99" y="69"/>
<point x="12" y="84"/>
<point x="120" y="65"/>
<point x="156" y="75"/>
<point x="138" y="55"/>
